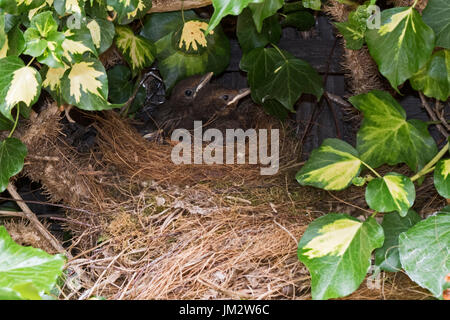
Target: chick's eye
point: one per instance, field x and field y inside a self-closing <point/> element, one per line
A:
<point x="225" y="97"/>
<point x="188" y="93"/>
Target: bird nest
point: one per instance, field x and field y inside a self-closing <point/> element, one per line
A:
<point x="144" y="228"/>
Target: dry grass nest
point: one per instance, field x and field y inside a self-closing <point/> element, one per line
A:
<point x="143" y="228"/>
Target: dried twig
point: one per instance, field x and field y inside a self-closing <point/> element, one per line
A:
<point x="432" y="115"/>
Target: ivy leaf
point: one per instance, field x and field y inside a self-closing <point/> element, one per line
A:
<point x="302" y="20"/>
<point x="223" y="8"/>
<point x="434" y="78"/>
<point x="52" y="82"/>
<point x="387" y="257"/>
<point x="26" y="272"/>
<point x="437" y="16"/>
<point x="85" y="85"/>
<point x="3" y="34"/>
<point x="336" y="249"/>
<point x="14" y="44"/>
<point x="64" y="7"/>
<point x="102" y="33"/>
<point x="442" y="178"/>
<point x="138" y="51"/>
<point x="393" y="192"/>
<point x="331" y="167"/>
<point x="278" y="75"/>
<point x="264" y="10"/>
<point x="386" y="137"/>
<point x="18" y="84"/>
<point x="402" y="45"/>
<point x="12" y="155"/>
<point x="128" y="10"/>
<point x="183" y="49"/>
<point x="77" y="42"/>
<point x="354" y="29"/>
<point x="424" y="252"/>
<point x="19" y="6"/>
<point x="5" y="124"/>
<point x="249" y="38"/>
<point x="312" y="4"/>
<point x="121" y="87"/>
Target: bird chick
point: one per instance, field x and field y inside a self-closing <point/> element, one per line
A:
<point x="196" y="99"/>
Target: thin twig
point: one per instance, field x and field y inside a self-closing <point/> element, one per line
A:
<point x="38" y="225"/>
<point x="432" y="115"/>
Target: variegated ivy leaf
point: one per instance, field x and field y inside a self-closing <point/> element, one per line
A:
<point x="386" y="137"/>
<point x="138" y="51"/>
<point x="425" y="252"/>
<point x="336" y="249"/>
<point x="44" y="6"/>
<point x="52" y="82"/>
<point x="75" y="7"/>
<point x="354" y="29"/>
<point x="3" y="34"/>
<point x="77" y="42"/>
<point x="44" y="41"/>
<point x="223" y="8"/>
<point x="332" y="166"/>
<point x="18" y="84"/>
<point x="19" y="6"/>
<point x="434" y="78"/>
<point x="442" y="178"/>
<point x="128" y="10"/>
<point x="181" y="53"/>
<point x="402" y="45"/>
<point x="312" y="4"/>
<point x="393" y="192"/>
<point x="12" y="155"/>
<point x="85" y="85"/>
<point x="102" y="33"/>
<point x="14" y="44"/>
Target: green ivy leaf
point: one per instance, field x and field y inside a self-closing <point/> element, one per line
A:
<point x="393" y="192"/>
<point x="353" y="30"/>
<point x="223" y="8"/>
<point x="336" y="249"/>
<point x="121" y="87"/>
<point x="26" y="272"/>
<point x="3" y="34"/>
<point x="183" y="49"/>
<point x="19" y="6"/>
<point x="387" y="257"/>
<point x="437" y="16"/>
<point x="424" y="252"/>
<point x="434" y="78"/>
<point x="85" y="85"/>
<point x="278" y="75"/>
<point x="249" y="38"/>
<point x="18" y="84"/>
<point x="264" y="10"/>
<point x="102" y="33"/>
<point x="5" y="124"/>
<point x="331" y="167"/>
<point x="302" y="20"/>
<point x="442" y="178"/>
<point x="312" y="4"/>
<point x="386" y="137"/>
<point x="402" y="45"/>
<point x="12" y="155"/>
<point x="129" y="10"/>
<point x="137" y="50"/>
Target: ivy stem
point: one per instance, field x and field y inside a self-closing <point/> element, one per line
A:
<point x="374" y="214"/>
<point x="279" y="51"/>
<point x="414" y="4"/>
<point x="15" y="123"/>
<point x="430" y="165"/>
<point x="31" y="61"/>
<point x="371" y="169"/>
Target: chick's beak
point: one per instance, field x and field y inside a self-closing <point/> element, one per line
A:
<point x="203" y="82"/>
<point x="243" y="93"/>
